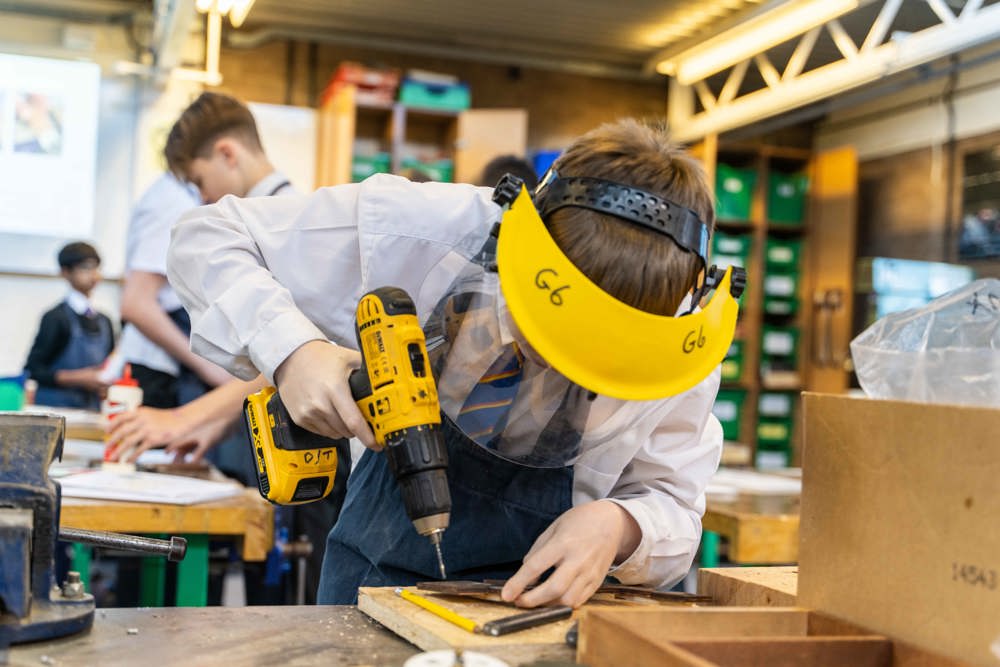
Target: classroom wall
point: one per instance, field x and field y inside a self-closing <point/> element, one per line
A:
<point x="24" y="297"/>
<point x="134" y="114"/>
<point x="560" y="106"/>
<point x="910" y="146"/>
<point x="133" y="117"/>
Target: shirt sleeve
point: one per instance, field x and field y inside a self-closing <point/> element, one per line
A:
<point x="663" y="488"/>
<point x="262" y="276"/>
<point x="52" y="338"/>
<point x="242" y="317"/>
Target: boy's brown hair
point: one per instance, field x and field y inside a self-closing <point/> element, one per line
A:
<point x="639" y="266"/>
<point x="206" y="120"/>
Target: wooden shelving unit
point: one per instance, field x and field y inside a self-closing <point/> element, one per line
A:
<point x="470" y="138"/>
<point x="825" y="265"/>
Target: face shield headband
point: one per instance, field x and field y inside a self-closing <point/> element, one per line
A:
<point x="593" y="339"/>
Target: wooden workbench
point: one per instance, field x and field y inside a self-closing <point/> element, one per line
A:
<point x="759" y="529"/>
<point x="247" y="517"/>
<point x="285" y="636"/>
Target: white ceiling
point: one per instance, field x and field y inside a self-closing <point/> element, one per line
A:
<point x="611" y="38"/>
<point x="602" y="37"/>
<point x="618" y="36"/>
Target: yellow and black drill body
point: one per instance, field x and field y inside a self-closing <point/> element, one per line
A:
<point x="397" y="395"/>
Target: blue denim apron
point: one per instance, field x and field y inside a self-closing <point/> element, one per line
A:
<point x="498" y="510"/>
<point x="83" y="350"/>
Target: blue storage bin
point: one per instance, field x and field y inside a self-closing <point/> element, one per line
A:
<point x="543" y="160"/>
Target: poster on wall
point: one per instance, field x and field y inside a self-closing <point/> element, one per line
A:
<point x="980" y="235"/>
<point x="48" y="146"/>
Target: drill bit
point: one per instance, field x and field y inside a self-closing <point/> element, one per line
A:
<point x="435" y="539"/>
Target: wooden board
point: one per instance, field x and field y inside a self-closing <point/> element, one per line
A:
<point x="899" y="521"/>
<point x="750" y="586"/>
<point x="725" y="637"/>
<point x="429" y="632"/>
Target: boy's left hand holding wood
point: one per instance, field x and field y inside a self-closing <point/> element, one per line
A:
<point x="581" y="545"/>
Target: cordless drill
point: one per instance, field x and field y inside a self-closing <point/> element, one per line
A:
<point x="396" y="393"/>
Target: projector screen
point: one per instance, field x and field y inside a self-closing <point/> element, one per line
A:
<point x="48" y="147"/>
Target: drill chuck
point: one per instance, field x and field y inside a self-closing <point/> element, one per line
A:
<point x="418" y="460"/>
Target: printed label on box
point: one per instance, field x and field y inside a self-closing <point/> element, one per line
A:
<point x="725" y="411"/>
<point x="779" y="343"/>
<point x="779" y="285"/>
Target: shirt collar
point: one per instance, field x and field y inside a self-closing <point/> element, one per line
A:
<point x="506" y="335"/>
<point x="78" y="302"/>
<point x="267" y="185"/>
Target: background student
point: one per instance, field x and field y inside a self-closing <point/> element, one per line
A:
<point x="509" y="164"/>
<point x="73" y="339"/>
<point x="215" y="146"/>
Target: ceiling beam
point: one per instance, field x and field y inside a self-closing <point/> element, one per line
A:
<point x="873" y="62"/>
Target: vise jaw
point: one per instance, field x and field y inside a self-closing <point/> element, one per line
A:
<point x="32" y="606"/>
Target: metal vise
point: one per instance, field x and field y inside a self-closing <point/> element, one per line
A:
<point x="32" y="606"/>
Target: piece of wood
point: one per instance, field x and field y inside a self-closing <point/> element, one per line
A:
<point x="247" y="515"/>
<point x="333" y="636"/>
<point x="829" y="266"/>
<point x="430" y="632"/>
<point x="483" y="134"/>
<point x="794" y="652"/>
<point x="899" y="512"/>
<point x="745" y="636"/>
<point x="750" y="586"/>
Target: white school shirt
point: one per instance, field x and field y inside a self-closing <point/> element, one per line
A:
<point x="262" y="277"/>
<point x="146" y="250"/>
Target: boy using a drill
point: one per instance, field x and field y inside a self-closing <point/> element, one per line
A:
<point x="589" y="453"/>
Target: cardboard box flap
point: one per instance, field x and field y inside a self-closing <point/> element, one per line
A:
<point x="900" y="521"/>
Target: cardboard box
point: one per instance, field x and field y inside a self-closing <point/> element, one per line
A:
<point x="900" y="522"/>
<point x="727" y="637"/>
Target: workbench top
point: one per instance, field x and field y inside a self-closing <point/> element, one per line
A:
<point x="285" y="636"/>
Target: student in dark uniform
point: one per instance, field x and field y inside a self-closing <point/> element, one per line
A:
<point x="73" y="339"/>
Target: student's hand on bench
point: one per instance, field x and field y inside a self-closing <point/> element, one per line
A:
<point x="313" y="385"/>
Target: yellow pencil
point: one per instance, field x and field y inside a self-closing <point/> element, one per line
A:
<point x="438" y="610"/>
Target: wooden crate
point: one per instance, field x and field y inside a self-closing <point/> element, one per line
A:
<point x="744" y="636"/>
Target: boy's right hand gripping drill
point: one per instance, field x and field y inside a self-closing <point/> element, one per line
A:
<point x="396" y="393"/>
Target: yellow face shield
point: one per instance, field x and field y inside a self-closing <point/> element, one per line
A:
<point x="595" y="340"/>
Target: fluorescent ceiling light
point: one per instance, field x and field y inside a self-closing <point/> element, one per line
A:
<point x="755" y="35"/>
<point x="236" y="9"/>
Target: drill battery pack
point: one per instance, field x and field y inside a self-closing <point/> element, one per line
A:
<point x="294" y="465"/>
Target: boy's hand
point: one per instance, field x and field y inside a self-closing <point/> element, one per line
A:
<point x="88" y="378"/>
<point x="581" y="545"/>
<point x="133" y="432"/>
<point x="313" y="385"/>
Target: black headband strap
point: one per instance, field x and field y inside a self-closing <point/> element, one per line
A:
<point x="681" y="224"/>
